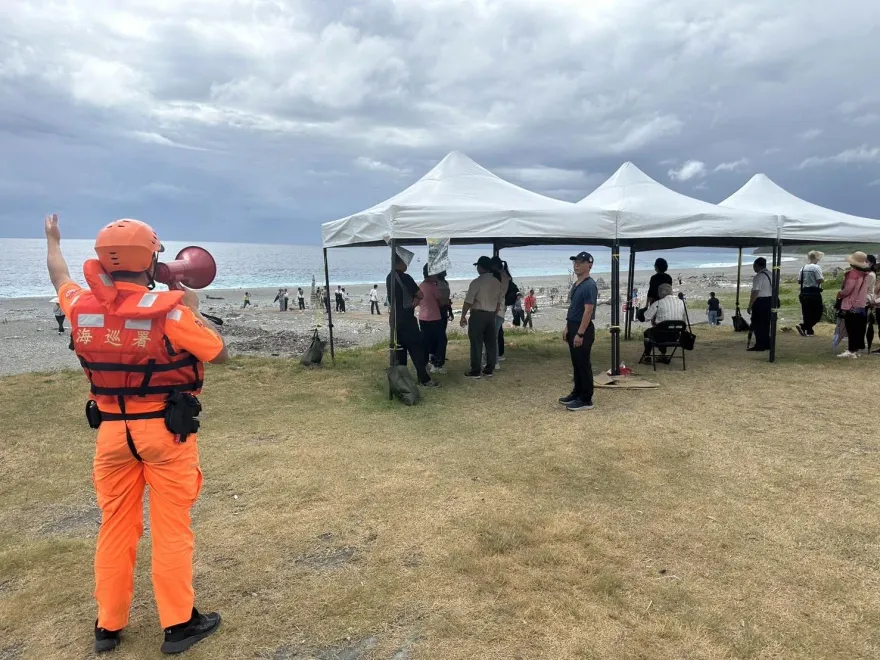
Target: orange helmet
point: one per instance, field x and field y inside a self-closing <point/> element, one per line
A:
<point x="127" y="245"/>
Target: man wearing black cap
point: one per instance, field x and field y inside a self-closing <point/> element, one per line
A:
<point x="482" y="301"/>
<point x="580" y="333"/>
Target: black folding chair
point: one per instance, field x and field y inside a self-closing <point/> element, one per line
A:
<point x="668" y="335"/>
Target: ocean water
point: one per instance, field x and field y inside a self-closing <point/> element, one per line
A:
<point x="247" y="265"/>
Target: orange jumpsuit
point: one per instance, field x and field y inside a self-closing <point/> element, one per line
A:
<point x="169" y="467"/>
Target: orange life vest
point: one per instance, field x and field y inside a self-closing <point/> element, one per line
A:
<point x="119" y="338"/>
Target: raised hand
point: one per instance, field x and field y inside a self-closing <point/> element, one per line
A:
<point x="52" y="231"/>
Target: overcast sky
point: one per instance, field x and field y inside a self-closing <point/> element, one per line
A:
<point x="257" y="120"/>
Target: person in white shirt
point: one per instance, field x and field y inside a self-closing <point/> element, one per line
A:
<point x="374" y="300"/>
<point x="667" y="308"/>
<point x="810" y="279"/>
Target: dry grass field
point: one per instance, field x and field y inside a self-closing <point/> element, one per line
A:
<point x="731" y="513"/>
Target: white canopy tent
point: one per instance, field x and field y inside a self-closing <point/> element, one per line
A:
<point x="461" y="200"/>
<point x="650" y="215"/>
<point x="802" y="221"/>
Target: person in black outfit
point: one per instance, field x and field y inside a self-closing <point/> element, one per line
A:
<point x="580" y="333"/>
<point x="406" y="296"/>
<point x="659" y="277"/>
<point x="760" y="305"/>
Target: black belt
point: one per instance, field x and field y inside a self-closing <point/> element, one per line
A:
<point x="125" y="417"/>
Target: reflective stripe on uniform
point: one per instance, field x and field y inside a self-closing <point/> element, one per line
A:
<point x="148" y="299"/>
<point x="138" y="324"/>
<point x="90" y="320"/>
<point x="175" y="315"/>
<point x="106" y="279"/>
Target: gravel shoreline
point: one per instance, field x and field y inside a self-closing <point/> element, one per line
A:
<point x="30" y="342"/>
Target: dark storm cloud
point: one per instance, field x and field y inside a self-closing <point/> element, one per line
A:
<point x="259" y="120"/>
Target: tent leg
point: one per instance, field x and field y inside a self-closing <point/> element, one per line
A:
<point x="774" y="314"/>
<point x="329" y="314"/>
<point x="495" y="249"/>
<point x="615" y="309"/>
<point x="629" y="293"/>
<point x="392" y="317"/>
<point x="739" y="268"/>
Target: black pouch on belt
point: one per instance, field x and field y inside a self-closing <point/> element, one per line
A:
<point x="93" y="414"/>
<point x="182" y="414"/>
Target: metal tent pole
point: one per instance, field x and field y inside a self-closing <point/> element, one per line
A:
<point x="392" y="315"/>
<point x="329" y="315"/>
<point x="615" y="308"/>
<point x="739" y="267"/>
<point x="774" y="313"/>
<point x="629" y="293"/>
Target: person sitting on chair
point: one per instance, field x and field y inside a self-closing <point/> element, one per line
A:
<point x="667" y="308"/>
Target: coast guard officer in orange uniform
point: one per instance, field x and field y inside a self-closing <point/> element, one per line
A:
<point x="143" y="354"/>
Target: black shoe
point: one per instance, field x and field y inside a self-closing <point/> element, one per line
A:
<point x="565" y="400"/>
<point x="800" y="329"/>
<point x="487" y="374"/>
<point x="106" y="640"/>
<point x="430" y="383"/>
<point x="473" y="374"/>
<point x="180" y="637"/>
<point x="756" y="349"/>
<point x="577" y="405"/>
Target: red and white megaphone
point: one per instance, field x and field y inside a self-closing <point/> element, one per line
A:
<point x="194" y="268"/>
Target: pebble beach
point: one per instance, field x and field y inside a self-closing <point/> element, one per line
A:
<point x="30" y="341"/>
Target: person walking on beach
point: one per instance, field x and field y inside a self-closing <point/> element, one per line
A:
<point x="247" y="300"/>
<point x="518" y="313"/>
<point x="810" y="279"/>
<point x="300" y="299"/>
<point x="407" y="296"/>
<point x="342" y="298"/>
<point x="529" y="305"/>
<point x="338" y="294"/>
<point x="482" y="301"/>
<point x="279" y="298"/>
<point x="579" y="333"/>
<point x="713" y="308"/>
<point x="143" y="353"/>
<point x="59" y="316"/>
<point x="760" y="305"/>
<point x="374" y="300"/>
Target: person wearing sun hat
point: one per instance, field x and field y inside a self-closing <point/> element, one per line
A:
<point x="853" y="298"/>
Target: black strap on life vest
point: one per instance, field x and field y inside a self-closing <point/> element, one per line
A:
<point x="128" y="439"/>
<point x="144" y="391"/>
<point x="151" y="367"/>
<point x="147" y="370"/>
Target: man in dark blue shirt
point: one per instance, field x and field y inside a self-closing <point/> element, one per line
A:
<point x="580" y="333"/>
